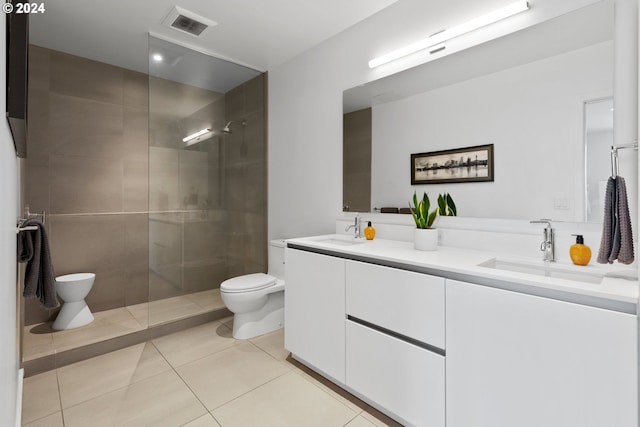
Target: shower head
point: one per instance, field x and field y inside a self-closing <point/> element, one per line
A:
<point x="227" y="128"/>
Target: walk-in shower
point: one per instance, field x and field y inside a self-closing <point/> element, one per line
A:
<point x="160" y="220"/>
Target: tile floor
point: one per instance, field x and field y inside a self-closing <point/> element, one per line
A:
<point x="40" y="340"/>
<point x="199" y="377"/>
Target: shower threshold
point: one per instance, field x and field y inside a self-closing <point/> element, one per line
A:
<point x="45" y="349"/>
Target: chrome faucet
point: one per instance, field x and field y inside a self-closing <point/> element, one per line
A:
<point x="547" y="245"/>
<point x="355" y="226"/>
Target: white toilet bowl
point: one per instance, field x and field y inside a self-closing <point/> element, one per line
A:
<point x="257" y="300"/>
<point x="72" y="289"/>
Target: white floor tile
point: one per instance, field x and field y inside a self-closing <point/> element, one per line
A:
<point x="287" y="401"/>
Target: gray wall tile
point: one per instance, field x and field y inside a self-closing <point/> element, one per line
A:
<point x="135" y="191"/>
<point x="85" y="185"/>
<point x="81" y="77"/>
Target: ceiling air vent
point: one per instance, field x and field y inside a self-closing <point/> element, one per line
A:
<point x="188" y="22"/>
<point x="188" y="25"/>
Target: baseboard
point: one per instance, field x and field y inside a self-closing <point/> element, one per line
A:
<point x="18" y="417"/>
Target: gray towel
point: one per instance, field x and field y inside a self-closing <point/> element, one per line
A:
<point x="39" y="280"/>
<point x="624" y="245"/>
<point x="617" y="235"/>
<point x="608" y="225"/>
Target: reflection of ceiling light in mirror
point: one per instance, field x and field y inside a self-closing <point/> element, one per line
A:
<point x="442" y="36"/>
<point x="196" y="137"/>
<point x="157" y="57"/>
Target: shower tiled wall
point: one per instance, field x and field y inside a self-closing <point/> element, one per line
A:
<point x="87" y="167"/>
<point x="245" y="184"/>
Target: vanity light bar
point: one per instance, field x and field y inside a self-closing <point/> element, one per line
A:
<point x="196" y="135"/>
<point x="443" y="36"/>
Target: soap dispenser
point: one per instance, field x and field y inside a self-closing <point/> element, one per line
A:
<point x="580" y="253"/>
<point x="369" y="232"/>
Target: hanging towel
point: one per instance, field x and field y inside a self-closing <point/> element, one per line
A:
<point x="623" y="246"/>
<point x="617" y="235"/>
<point x="608" y="225"/>
<point x="39" y="280"/>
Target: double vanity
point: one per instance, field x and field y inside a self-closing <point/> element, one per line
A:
<point x="461" y="337"/>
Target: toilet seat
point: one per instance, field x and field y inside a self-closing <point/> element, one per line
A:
<point x="248" y="283"/>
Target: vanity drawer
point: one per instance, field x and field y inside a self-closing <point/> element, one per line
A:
<point x="405" y="302"/>
<point x="400" y="377"/>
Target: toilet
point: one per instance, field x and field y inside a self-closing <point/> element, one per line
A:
<point x="72" y="289"/>
<point x="257" y="300"/>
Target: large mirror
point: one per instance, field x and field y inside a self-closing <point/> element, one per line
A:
<point x="524" y="93"/>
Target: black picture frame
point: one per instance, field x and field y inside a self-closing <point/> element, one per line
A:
<point x="468" y="164"/>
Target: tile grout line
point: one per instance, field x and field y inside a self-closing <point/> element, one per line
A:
<point x="313" y="383"/>
<point x="173" y="368"/>
<point x="60" y="397"/>
<point x="235" y="398"/>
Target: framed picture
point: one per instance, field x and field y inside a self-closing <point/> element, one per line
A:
<point x="469" y="164"/>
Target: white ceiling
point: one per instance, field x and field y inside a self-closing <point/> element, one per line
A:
<point x="260" y="34"/>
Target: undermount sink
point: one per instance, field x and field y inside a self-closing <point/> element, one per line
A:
<point x="547" y="270"/>
<point x="342" y="241"/>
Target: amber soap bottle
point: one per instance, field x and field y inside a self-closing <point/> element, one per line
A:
<point x="369" y="231"/>
<point x="580" y="253"/>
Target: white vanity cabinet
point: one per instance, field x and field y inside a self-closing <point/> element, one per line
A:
<point x="522" y="360"/>
<point x="314" y="310"/>
<point x="395" y="341"/>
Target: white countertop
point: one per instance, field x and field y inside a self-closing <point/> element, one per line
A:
<point x="620" y="294"/>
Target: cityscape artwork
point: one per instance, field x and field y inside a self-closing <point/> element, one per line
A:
<point x="469" y="164"/>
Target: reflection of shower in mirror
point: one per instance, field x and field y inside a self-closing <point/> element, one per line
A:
<point x="227" y="128"/>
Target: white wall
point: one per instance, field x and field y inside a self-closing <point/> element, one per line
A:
<point x="9" y="363"/>
<point x="305" y="105"/>
<point x="533" y="114"/>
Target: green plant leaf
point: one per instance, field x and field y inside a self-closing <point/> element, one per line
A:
<point x="427" y="204"/>
<point x="413" y="214"/>
<point x="442" y="204"/>
<point x="452" y="206"/>
<point x="431" y="218"/>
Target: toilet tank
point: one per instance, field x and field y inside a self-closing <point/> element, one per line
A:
<point x="276" y="258"/>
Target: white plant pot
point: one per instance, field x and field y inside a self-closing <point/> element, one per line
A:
<point x="425" y="239"/>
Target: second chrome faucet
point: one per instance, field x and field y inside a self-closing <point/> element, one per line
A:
<point x="548" y="245"/>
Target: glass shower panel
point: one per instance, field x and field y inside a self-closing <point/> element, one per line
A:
<point x="207" y="209"/>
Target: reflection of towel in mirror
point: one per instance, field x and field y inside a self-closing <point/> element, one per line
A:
<point x="617" y="235"/>
<point x="39" y="280"/>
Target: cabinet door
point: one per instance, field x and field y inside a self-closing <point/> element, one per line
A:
<point x="400" y="377"/>
<point x="408" y="303"/>
<point x="314" y="310"/>
<point x="526" y="361"/>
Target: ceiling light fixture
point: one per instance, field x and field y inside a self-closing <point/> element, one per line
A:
<point x="435" y="42"/>
<point x="157" y="57"/>
<point x="195" y="136"/>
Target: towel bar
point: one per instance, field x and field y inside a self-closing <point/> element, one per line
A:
<point x="614" y="156"/>
<point x="29" y="228"/>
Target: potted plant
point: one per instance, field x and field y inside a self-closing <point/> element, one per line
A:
<point x="425" y="237"/>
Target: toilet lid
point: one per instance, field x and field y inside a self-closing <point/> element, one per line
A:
<point x="248" y="282"/>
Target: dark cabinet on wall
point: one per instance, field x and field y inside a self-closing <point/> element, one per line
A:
<point x="17" y="66"/>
